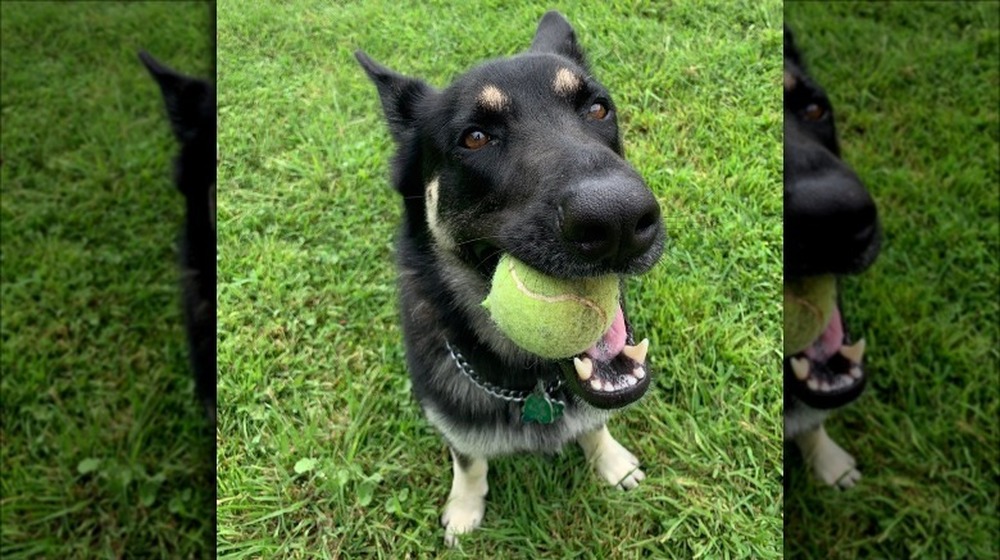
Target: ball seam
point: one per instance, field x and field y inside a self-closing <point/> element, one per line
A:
<point x="553" y="299"/>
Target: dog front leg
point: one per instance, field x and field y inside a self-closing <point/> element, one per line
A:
<point x="612" y="461"/>
<point x="829" y="461"/>
<point x="467" y="502"/>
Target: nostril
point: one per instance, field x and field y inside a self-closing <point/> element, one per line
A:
<point x="646" y="222"/>
<point x="865" y="233"/>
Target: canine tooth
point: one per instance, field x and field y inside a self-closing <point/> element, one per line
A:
<point x="596" y="384"/>
<point x="639" y="373"/>
<point x="584" y="368"/>
<point x="801" y="368"/>
<point x="855" y="351"/>
<point x="637" y="352"/>
<point x="855" y="372"/>
<point x="813" y="384"/>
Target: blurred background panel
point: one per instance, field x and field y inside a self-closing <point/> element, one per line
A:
<point x="915" y="89"/>
<point x="106" y="452"/>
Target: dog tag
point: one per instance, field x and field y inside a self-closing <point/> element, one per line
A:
<point x="540" y="408"/>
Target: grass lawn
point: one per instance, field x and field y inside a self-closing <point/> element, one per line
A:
<point x="322" y="450"/>
<point x="106" y="453"/>
<point x="916" y="89"/>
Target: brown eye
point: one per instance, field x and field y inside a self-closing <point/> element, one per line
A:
<point x="814" y="112"/>
<point x="475" y="139"/>
<point x="598" y="111"/>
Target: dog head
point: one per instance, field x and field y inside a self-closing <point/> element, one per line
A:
<point x="522" y="155"/>
<point x="190" y="104"/>
<point x="831" y="227"/>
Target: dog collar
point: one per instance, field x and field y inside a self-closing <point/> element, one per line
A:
<point x="537" y="405"/>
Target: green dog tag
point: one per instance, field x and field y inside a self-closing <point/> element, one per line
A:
<point x="539" y="408"/>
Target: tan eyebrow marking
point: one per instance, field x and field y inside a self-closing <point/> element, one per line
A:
<point x="492" y="98"/>
<point x="565" y="82"/>
<point x="790" y="81"/>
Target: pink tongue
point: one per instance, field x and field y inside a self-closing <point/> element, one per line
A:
<point x="830" y="341"/>
<point x="612" y="342"/>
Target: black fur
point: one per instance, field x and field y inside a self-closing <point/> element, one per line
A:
<point x="551" y="188"/>
<point x="831" y="223"/>
<point x="830" y="220"/>
<point x="191" y="109"/>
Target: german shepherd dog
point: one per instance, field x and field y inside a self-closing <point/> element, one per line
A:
<point x="831" y="227"/>
<point x="190" y="104"/>
<point x="518" y="156"/>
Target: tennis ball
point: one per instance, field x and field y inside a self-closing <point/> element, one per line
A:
<point x="809" y="304"/>
<point x="550" y="317"/>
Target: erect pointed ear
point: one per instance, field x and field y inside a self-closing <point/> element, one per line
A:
<point x="792" y="51"/>
<point x="185" y="97"/>
<point x="555" y="35"/>
<point x="400" y="95"/>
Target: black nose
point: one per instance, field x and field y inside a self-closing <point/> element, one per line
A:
<point x="834" y="205"/>
<point x="610" y="220"/>
<point x="831" y="219"/>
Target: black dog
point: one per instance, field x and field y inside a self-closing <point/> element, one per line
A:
<point x="518" y="156"/>
<point x="191" y="106"/>
<point x="831" y="228"/>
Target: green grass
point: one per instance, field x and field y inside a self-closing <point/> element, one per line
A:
<point x="105" y="450"/>
<point x="916" y="90"/>
<point x="322" y="450"/>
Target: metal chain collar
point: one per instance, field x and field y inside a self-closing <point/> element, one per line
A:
<point x="510" y="395"/>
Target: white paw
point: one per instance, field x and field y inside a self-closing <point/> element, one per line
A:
<point x="461" y="515"/>
<point x="834" y="466"/>
<point x="618" y="466"/>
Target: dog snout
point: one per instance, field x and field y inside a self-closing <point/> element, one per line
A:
<point x="611" y="220"/>
<point x="834" y="205"/>
<point x="830" y="220"/>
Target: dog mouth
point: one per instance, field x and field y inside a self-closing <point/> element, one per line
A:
<point x="828" y="373"/>
<point x="612" y="373"/>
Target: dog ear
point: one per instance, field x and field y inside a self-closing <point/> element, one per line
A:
<point x="556" y="35"/>
<point x="185" y="97"/>
<point x="792" y="51"/>
<point x="399" y="94"/>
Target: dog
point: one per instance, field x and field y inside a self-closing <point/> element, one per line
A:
<point x="518" y="156"/>
<point x="191" y="109"/>
<point x="831" y="227"/>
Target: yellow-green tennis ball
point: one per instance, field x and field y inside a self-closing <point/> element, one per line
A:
<point x="809" y="305"/>
<point x="550" y="317"/>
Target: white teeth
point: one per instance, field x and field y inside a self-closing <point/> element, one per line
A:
<point x="854" y="352"/>
<point x="596" y="384"/>
<point x="824" y="386"/>
<point x="639" y="373"/>
<point x="637" y="352"/>
<point x="855" y="372"/>
<point x="844" y="381"/>
<point x="630" y="381"/>
<point x="813" y="384"/>
<point x="584" y="368"/>
<point x="800" y="366"/>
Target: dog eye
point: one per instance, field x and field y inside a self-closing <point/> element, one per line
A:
<point x="598" y="111"/>
<point x="475" y="139"/>
<point x="814" y="112"/>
